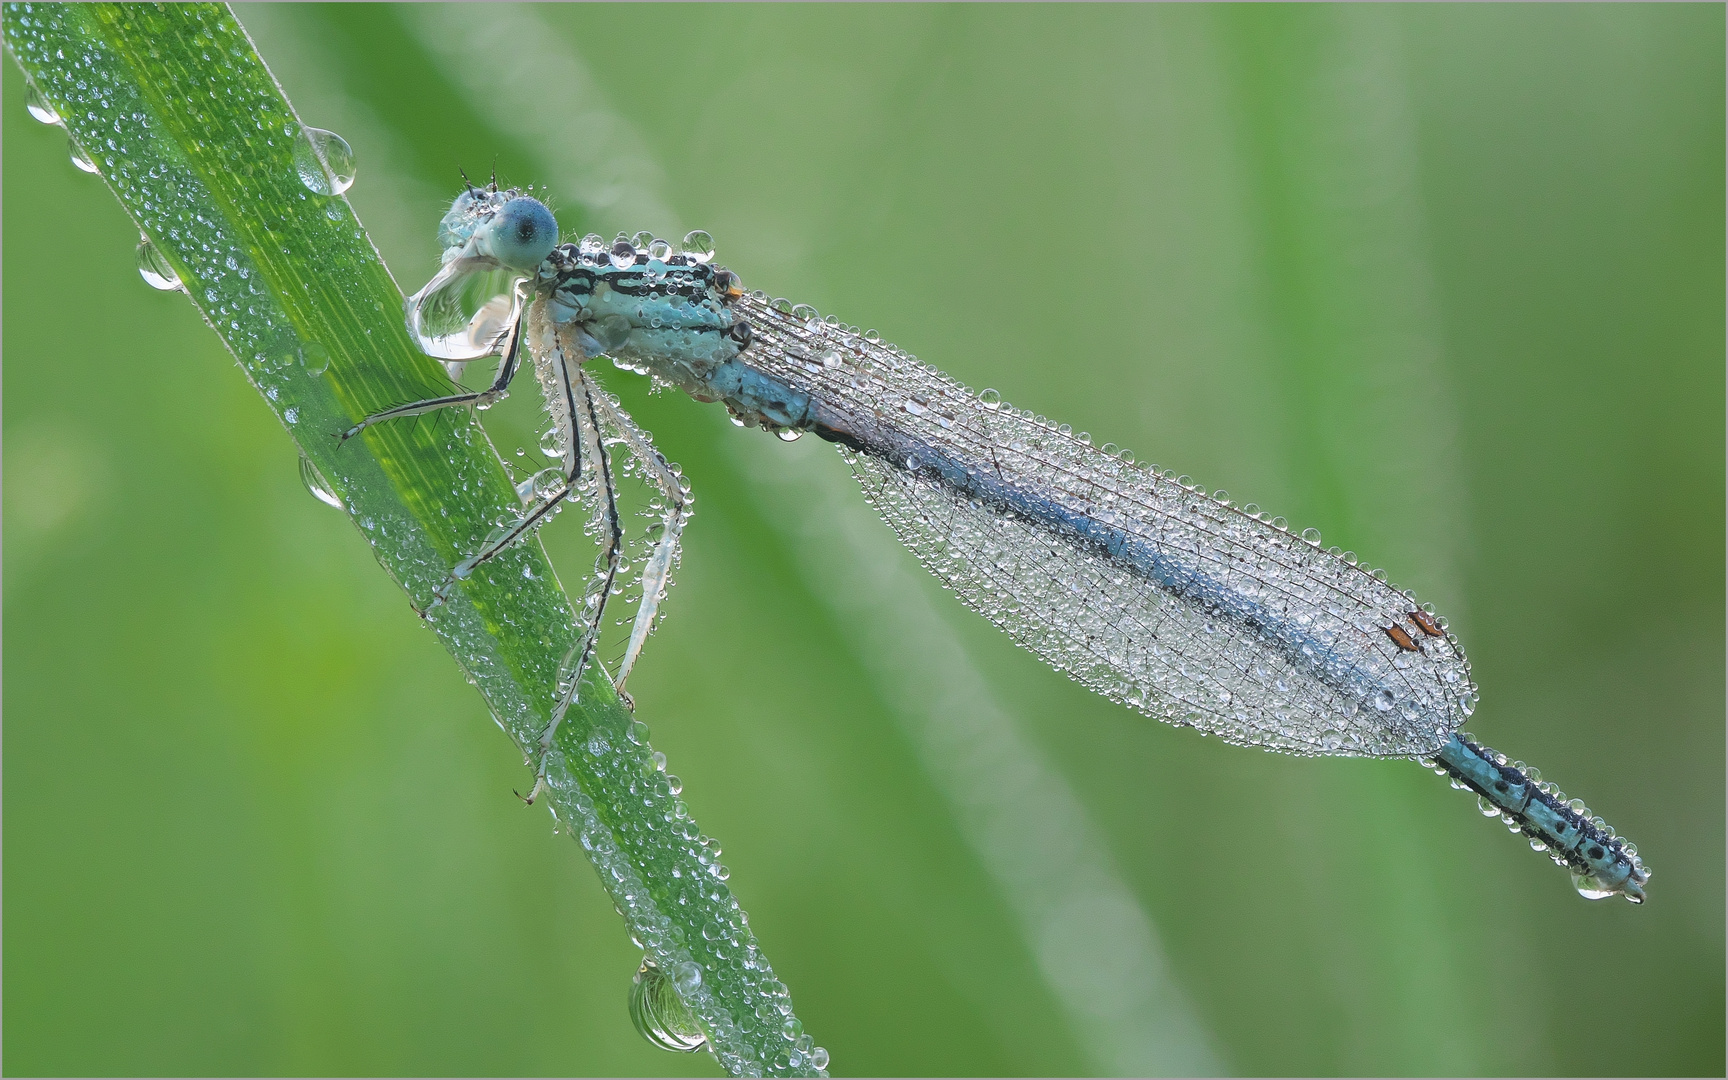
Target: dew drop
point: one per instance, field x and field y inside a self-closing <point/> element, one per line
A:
<point x="699" y="245"/>
<point x="804" y="313"/>
<point x="324" y="161"/>
<point x="315" y="357"/>
<point x="688" y="977"/>
<point x="79" y="157"/>
<point x="660" y="1015"/>
<point x="1591" y="887"/>
<point x="155" y="269"/>
<point x="789" y="434"/>
<point x="38" y="105"/>
<point x="990" y="399"/>
<point x="316" y="484"/>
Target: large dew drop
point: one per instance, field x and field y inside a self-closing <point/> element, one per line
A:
<point x="699" y="245"/>
<point x="324" y="161"/>
<point x="39" y="106"/>
<point x="316" y="484"/>
<point x="660" y="1014"/>
<point x="1590" y="888"/>
<point x="155" y="268"/>
<point x="623" y="253"/>
<point x="79" y="157"/>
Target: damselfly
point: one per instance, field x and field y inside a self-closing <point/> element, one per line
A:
<point x="1131" y="580"/>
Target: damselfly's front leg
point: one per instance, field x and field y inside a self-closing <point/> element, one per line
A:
<point x="657" y="571"/>
<point x="500" y="387"/>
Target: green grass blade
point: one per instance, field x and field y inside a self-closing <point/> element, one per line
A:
<point x="195" y="139"/>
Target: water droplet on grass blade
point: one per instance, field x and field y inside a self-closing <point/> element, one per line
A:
<point x="155" y="269"/>
<point x="316" y="484"/>
<point x="39" y="106"/>
<point x="660" y="1014"/>
<point x="324" y="161"/>
<point x="315" y="357"/>
<point x="79" y="157"/>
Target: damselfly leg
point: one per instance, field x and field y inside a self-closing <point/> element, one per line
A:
<point x="657" y="572"/>
<point x="500" y="388"/>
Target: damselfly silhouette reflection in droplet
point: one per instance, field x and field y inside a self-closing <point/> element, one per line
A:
<point x="1133" y="581"/>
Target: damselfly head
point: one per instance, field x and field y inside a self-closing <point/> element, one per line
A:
<point x="507" y="227"/>
<point x="492" y="240"/>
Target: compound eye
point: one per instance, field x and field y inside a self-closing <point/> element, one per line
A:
<point x="522" y="234"/>
<point x="457" y="224"/>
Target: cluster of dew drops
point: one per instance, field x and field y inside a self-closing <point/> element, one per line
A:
<point x="324" y="163"/>
<point x="323" y="160"/>
<point x="760" y="1034"/>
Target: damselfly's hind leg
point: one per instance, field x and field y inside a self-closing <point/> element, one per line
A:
<point x="584" y="398"/>
<point x="500" y="388"/>
<point x="656" y="573"/>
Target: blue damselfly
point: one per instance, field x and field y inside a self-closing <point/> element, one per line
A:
<point x="1131" y="580"/>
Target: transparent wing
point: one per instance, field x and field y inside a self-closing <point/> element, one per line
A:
<point x="1137" y="585"/>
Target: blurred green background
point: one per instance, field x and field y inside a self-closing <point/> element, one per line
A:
<point x="1444" y="282"/>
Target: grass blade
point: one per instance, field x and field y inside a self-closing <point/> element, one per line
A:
<point x="190" y="131"/>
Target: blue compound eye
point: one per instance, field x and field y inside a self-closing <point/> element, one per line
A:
<point x="522" y="234"/>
